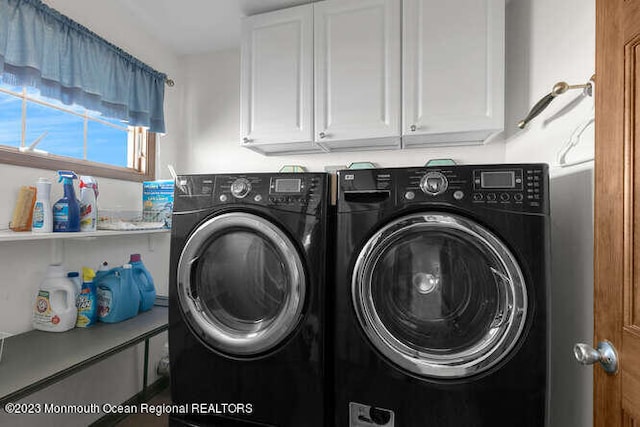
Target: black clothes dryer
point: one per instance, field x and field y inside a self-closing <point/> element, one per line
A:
<point x="440" y="301"/>
<point x="246" y="299"/>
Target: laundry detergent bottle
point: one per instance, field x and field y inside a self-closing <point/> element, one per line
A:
<point x="87" y="301"/>
<point x="118" y="295"/>
<point x="55" y="308"/>
<point x="66" y="211"/>
<point x="143" y="281"/>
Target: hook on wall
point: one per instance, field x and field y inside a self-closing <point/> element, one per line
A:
<point x="558" y="89"/>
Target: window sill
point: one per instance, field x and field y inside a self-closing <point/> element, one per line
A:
<point x="13" y="156"/>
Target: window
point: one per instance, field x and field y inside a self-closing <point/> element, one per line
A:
<point x="44" y="133"/>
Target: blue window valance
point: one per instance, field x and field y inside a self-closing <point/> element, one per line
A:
<point x="42" y="48"/>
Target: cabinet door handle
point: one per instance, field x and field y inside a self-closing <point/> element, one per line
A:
<point x="246" y="140"/>
<point x="322" y="135"/>
<point x="413" y="128"/>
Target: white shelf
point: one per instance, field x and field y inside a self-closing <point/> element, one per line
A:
<point x="13" y="236"/>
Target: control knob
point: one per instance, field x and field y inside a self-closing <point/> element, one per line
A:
<point x="434" y="183"/>
<point x="240" y="188"/>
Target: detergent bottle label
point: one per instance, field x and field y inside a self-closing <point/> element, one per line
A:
<point x="43" y="313"/>
<point x="86" y="304"/>
<point x="61" y="212"/>
<point x="105" y="302"/>
<point x="38" y="215"/>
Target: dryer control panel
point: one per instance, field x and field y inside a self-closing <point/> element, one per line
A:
<point x="288" y="191"/>
<point x="300" y="192"/>
<point x="512" y="187"/>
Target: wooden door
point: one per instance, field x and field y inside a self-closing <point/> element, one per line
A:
<point x="277" y="81"/>
<point x="357" y="73"/>
<point x="453" y="70"/>
<point x="617" y="209"/>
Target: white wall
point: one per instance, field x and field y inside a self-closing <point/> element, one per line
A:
<point x="550" y="41"/>
<point x="23" y="264"/>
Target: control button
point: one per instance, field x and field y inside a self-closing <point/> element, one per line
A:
<point x="518" y="197"/>
<point x="434" y="183"/>
<point x="258" y="198"/>
<point x="240" y="188"/>
<point x="518" y="180"/>
<point x="504" y="197"/>
<point x="491" y="197"/>
<point x="223" y="197"/>
<point x="458" y="195"/>
<point x="477" y="197"/>
<point x="409" y="195"/>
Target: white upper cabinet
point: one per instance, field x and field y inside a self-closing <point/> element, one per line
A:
<point x="453" y="71"/>
<point x="357" y="74"/>
<point x="277" y="82"/>
<point x="372" y="74"/>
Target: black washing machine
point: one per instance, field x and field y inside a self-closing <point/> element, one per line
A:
<point x="440" y="304"/>
<point x="246" y="299"/>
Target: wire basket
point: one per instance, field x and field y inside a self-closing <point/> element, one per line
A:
<point x="3" y="335"/>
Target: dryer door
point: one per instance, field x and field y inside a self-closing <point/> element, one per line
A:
<point x="241" y="284"/>
<point x="439" y="295"/>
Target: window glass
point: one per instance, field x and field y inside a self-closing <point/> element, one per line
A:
<point x="63" y="132"/>
<point x="107" y="144"/>
<point x="11" y="120"/>
<point x="66" y="130"/>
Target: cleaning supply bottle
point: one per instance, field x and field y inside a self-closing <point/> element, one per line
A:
<point x="55" y="308"/>
<point x="42" y="214"/>
<point x="87" y="301"/>
<point x="66" y="211"/>
<point x="88" y="203"/>
<point x="74" y="276"/>
<point x="118" y="296"/>
<point x="143" y="281"/>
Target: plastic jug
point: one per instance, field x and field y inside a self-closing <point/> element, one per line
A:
<point x="87" y="301"/>
<point x="55" y="308"/>
<point x="144" y="282"/>
<point x="118" y="296"/>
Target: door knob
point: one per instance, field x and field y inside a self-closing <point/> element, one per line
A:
<point x="605" y="354"/>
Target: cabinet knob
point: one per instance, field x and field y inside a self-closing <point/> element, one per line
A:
<point x="322" y="135"/>
<point x="246" y="140"/>
<point x="413" y="128"/>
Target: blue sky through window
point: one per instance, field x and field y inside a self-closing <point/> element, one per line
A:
<point x="65" y="131"/>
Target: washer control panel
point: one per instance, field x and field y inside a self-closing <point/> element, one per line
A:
<point x="510" y="187"/>
<point x="433" y="183"/>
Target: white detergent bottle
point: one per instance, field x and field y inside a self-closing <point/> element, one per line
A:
<point x="55" y="309"/>
<point x="42" y="213"/>
<point x="88" y="199"/>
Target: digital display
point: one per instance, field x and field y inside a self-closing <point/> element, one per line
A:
<point x="498" y="179"/>
<point x="288" y="185"/>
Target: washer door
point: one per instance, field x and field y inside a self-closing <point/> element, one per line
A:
<point x="241" y="284"/>
<point x="439" y="295"/>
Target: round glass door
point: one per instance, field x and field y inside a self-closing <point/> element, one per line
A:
<point x="439" y="295"/>
<point x="241" y="284"/>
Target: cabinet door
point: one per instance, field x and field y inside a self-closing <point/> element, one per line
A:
<point x="453" y="71"/>
<point x="357" y="74"/>
<point x="277" y="81"/>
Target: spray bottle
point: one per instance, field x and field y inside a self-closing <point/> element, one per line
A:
<point x="88" y="208"/>
<point x="66" y="211"/>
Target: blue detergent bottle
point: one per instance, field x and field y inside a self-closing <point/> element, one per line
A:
<point x="66" y="211"/>
<point x="118" y="295"/>
<point x="144" y="281"/>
